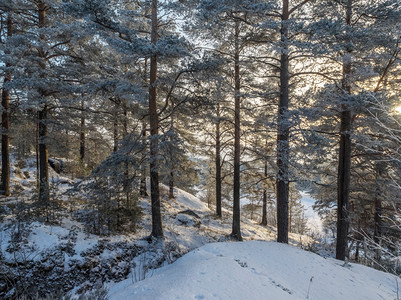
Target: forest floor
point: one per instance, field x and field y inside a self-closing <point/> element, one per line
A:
<point x="43" y="259"/>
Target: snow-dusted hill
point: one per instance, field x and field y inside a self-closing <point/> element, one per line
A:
<point x="64" y="257"/>
<point x="259" y="270"/>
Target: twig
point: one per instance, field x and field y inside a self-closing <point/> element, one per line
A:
<point x="310" y="283"/>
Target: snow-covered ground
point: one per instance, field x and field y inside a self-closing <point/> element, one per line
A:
<point x="259" y="270"/>
<point x="87" y="261"/>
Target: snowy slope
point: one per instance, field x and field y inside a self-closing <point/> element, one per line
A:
<point x="180" y="227"/>
<point x="78" y="262"/>
<point x="258" y="270"/>
<point x="82" y="262"/>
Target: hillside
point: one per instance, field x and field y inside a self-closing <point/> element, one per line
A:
<point x="59" y="257"/>
<point x="63" y="258"/>
<point x="259" y="270"/>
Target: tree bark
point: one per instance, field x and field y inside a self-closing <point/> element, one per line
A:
<point x="236" y="229"/>
<point x="283" y="134"/>
<point x="344" y="161"/>
<point x="142" y="188"/>
<point x="264" y="202"/>
<point x="344" y="174"/>
<point x="171" y="186"/>
<point x="379" y="168"/>
<point x="43" y="157"/>
<point x="218" y="165"/>
<point x="126" y="183"/>
<point x="157" y="229"/>
<point x="37" y="151"/>
<point x="125" y="120"/>
<point x="82" y="133"/>
<point x="115" y="127"/>
<point x="172" y="164"/>
<point x="5" y="123"/>
<point x="42" y="118"/>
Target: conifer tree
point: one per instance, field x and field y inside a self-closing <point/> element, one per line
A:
<point x="157" y="230"/>
<point x="283" y="122"/>
<point x="231" y="16"/>
<point x="347" y="29"/>
<point x="5" y="118"/>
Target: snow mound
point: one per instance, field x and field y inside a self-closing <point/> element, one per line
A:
<point x="258" y="270"/>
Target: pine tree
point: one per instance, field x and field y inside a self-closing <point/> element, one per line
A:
<point x="231" y="17"/>
<point x="157" y="230"/>
<point x="283" y="136"/>
<point x="5" y="119"/>
<point x="346" y="30"/>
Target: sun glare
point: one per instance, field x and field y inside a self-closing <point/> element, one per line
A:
<point x="398" y="109"/>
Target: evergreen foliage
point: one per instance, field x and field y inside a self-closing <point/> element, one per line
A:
<point x="245" y="102"/>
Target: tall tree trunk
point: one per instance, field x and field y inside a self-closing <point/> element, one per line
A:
<point x="357" y="251"/>
<point x="236" y="230"/>
<point x="43" y="156"/>
<point x="82" y="133"/>
<point x="379" y="168"/>
<point x="283" y="147"/>
<point x="43" y="118"/>
<point x="126" y="164"/>
<point x="157" y="229"/>
<point x="115" y="127"/>
<point x="218" y="165"/>
<point x="264" y="202"/>
<point x="171" y="186"/>
<point x="344" y="160"/>
<point x="172" y="164"/>
<point x="37" y="151"/>
<point x="142" y="188"/>
<point x="125" y="120"/>
<point x="5" y="122"/>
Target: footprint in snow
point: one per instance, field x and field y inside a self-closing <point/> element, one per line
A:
<point x="242" y="264"/>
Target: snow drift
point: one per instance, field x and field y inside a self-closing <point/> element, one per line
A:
<point x="258" y="270"/>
